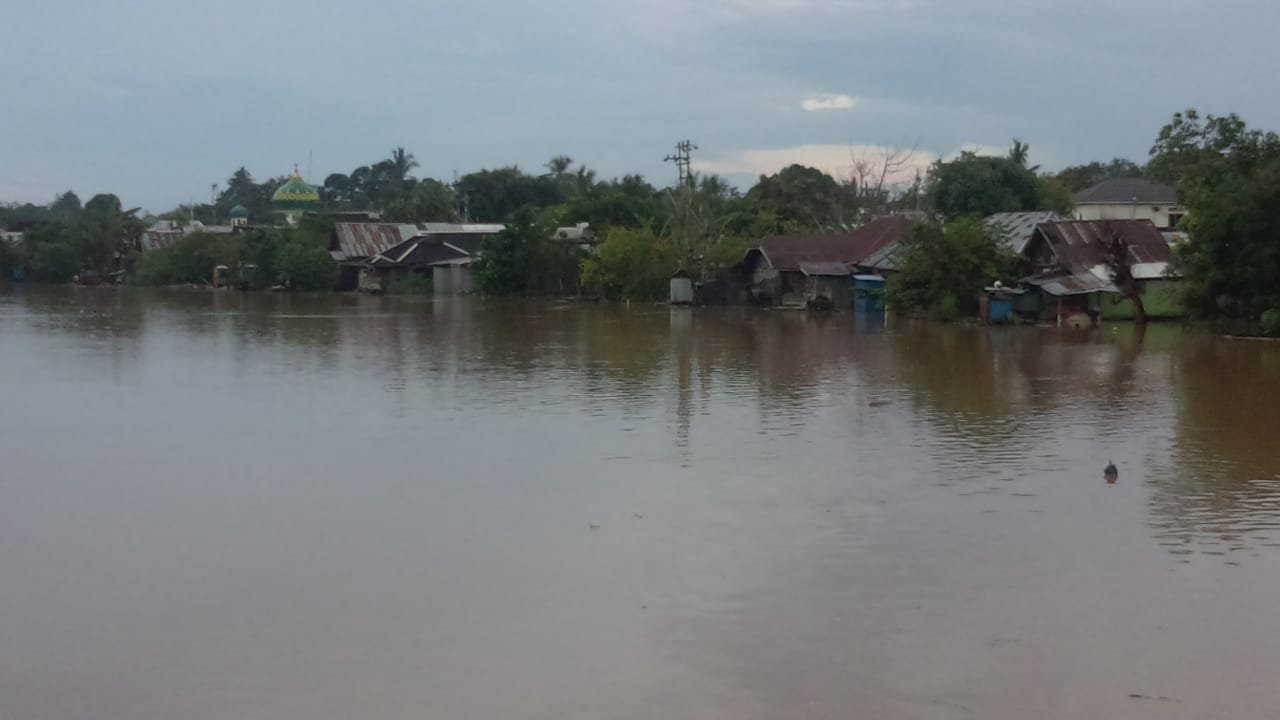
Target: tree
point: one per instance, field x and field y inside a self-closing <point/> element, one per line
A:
<point x="1119" y="265"/>
<point x="874" y="172"/>
<point x="803" y="197"/>
<point x="495" y="195"/>
<point x="1228" y="176"/>
<point x="47" y="253"/>
<point x="428" y="201"/>
<point x="402" y="163"/>
<point x="630" y="265"/>
<point x="305" y="266"/>
<point x="980" y="185"/>
<point x="66" y="206"/>
<point x="524" y="259"/>
<point x="337" y="191"/>
<point x="1190" y="146"/>
<point x="942" y="268"/>
<point x="1019" y="152"/>
<point x="1079" y="177"/>
<point x="559" y="165"/>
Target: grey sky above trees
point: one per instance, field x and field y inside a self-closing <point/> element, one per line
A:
<point x="155" y="103"/>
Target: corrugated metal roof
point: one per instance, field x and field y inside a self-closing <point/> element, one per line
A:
<point x="1061" y="282"/>
<point x="1078" y="244"/>
<point x="482" y="228"/>
<point x="361" y="240"/>
<point x="354" y="240"/>
<point x="886" y="258"/>
<point x="1079" y="248"/>
<point x="826" y="269"/>
<point x="1017" y="228"/>
<point x="786" y="252"/>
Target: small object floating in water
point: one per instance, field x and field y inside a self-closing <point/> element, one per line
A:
<point x="1111" y="473"/>
<point x="593" y="526"/>
<point x="638" y="516"/>
<point x="878" y="403"/>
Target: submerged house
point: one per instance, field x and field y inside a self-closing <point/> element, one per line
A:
<point x="796" y="270"/>
<point x="1072" y="278"/>
<point x="372" y="255"/>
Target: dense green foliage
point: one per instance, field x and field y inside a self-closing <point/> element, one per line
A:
<point x="1078" y="177"/>
<point x="67" y="239"/>
<point x="942" y="268"/>
<point x="804" y="197"/>
<point x="630" y="265"/>
<point x="524" y="259"/>
<point x="975" y="185"/>
<point x="296" y="258"/>
<point x="1229" y="179"/>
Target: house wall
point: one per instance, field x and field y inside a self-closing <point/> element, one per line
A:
<point x="372" y="281"/>
<point x="839" y="290"/>
<point x="1157" y="214"/>
<point x="763" y="279"/>
<point x="791" y="285"/>
<point x="451" y="279"/>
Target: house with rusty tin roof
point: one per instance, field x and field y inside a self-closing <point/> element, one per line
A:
<point x="1071" y="271"/>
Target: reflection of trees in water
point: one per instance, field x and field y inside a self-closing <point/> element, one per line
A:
<point x="1223" y="482"/>
<point x="113" y="319"/>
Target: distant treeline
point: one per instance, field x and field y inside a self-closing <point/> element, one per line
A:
<point x="1227" y="174"/>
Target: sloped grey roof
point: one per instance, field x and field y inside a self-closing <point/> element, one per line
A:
<point x="1016" y="228"/>
<point x="1127" y="191"/>
<point x="825" y="268"/>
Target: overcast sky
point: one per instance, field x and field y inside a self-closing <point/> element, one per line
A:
<point x="157" y="100"/>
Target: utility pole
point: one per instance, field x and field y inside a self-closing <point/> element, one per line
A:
<point x="683" y="158"/>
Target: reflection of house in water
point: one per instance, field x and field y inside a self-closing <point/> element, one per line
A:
<point x="1072" y="278"/>
<point x="794" y="270"/>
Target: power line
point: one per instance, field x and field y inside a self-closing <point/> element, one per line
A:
<point x="683" y="158"/>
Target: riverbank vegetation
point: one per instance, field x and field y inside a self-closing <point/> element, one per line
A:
<point x="295" y="258"/>
<point x="1227" y="175"/>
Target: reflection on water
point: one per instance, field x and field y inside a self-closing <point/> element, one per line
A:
<point x="277" y="506"/>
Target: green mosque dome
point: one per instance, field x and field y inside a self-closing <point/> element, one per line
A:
<point x="239" y="211"/>
<point x="296" y="195"/>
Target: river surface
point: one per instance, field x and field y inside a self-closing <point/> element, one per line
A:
<point x="219" y="506"/>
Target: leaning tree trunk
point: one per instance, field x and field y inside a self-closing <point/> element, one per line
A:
<point x="1117" y="259"/>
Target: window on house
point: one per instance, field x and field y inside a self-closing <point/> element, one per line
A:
<point x="1175" y="218"/>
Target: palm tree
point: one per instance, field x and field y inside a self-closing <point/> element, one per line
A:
<point x="559" y="165"/>
<point x="1019" y="151"/>
<point x="402" y="163"/>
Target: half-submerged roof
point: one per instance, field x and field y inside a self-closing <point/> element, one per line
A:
<point x="787" y="252"/>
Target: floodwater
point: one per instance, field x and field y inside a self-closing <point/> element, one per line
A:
<point x="283" y="508"/>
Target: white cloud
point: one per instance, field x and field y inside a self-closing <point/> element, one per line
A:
<point x="828" y="101"/>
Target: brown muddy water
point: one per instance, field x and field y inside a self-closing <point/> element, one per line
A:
<point x="281" y="508"/>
